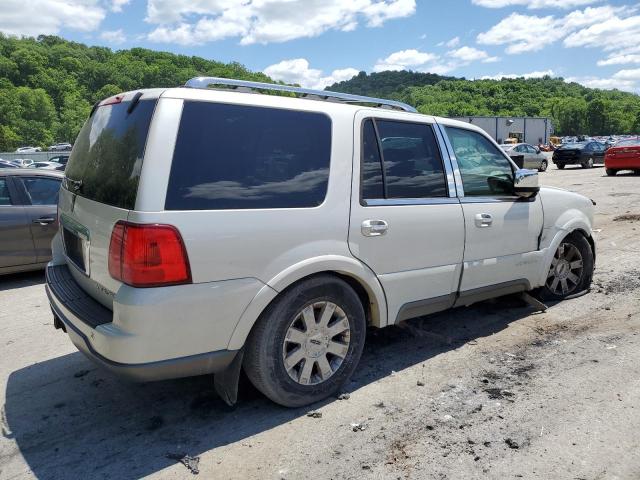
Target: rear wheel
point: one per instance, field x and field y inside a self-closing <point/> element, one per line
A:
<point x="543" y="166"/>
<point x="571" y="268"/>
<point x="611" y="172"/>
<point x="560" y="166"/>
<point x="588" y="163"/>
<point x="307" y="343"/>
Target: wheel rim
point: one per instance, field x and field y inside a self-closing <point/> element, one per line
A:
<point x="543" y="166"/>
<point x="316" y="343"/>
<point x="565" y="271"/>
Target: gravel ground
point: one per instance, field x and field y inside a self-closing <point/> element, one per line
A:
<point x="495" y="390"/>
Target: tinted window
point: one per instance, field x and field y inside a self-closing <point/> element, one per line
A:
<point x="485" y="170"/>
<point x="42" y="191"/>
<point x="238" y="157"/>
<point x="107" y="155"/>
<point x="530" y="149"/>
<point x="412" y="162"/>
<point x="5" y="199"/>
<point x="371" y="163"/>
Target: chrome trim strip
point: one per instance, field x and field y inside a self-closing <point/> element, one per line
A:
<point x="446" y="160"/>
<point x="454" y="161"/>
<point x="390" y="202"/>
<point x="204" y="82"/>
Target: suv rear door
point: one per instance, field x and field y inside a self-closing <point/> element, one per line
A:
<point x="406" y="222"/>
<point x="16" y="244"/>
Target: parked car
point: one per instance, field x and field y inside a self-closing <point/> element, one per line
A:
<point x="625" y="155"/>
<point x="265" y="233"/>
<point x="586" y="154"/>
<point x="62" y="159"/>
<point x="28" y="150"/>
<point x="6" y="164"/>
<point x="47" y="165"/>
<point x="60" y="147"/>
<point x="21" y="162"/>
<point x="28" y="222"/>
<point x="533" y="157"/>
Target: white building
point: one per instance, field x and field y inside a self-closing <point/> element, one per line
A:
<point x="533" y="130"/>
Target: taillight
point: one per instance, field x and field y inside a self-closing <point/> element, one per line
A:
<point x="148" y="255"/>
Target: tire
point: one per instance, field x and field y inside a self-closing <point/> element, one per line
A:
<point x="573" y="248"/>
<point x="270" y="342"/>
<point x="588" y="163"/>
<point x="543" y="166"/>
<point x="611" y="172"/>
<point x="560" y="166"/>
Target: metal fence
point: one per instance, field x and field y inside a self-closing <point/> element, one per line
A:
<point x="36" y="157"/>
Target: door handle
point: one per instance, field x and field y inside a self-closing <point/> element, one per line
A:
<point x="374" y="228"/>
<point x="483" y="220"/>
<point x="44" y="220"/>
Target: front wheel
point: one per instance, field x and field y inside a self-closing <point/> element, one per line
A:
<point x="560" y="166"/>
<point x="571" y="268"/>
<point x="543" y="166"/>
<point x="611" y="172"/>
<point x="307" y="343"/>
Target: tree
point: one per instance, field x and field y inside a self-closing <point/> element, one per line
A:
<point x="596" y="116"/>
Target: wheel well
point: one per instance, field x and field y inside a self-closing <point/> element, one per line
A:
<point x="589" y="238"/>
<point x="368" y="300"/>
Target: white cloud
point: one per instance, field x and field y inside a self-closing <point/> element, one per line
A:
<point x="36" y="17"/>
<point x="529" y="33"/>
<point x="471" y="54"/>
<point x="298" y="71"/>
<point x="536" y="74"/>
<point x="114" y="36"/>
<point x="605" y="83"/>
<point x="633" y="74"/>
<point x="404" y="59"/>
<point x="620" y="59"/>
<point x="413" y="59"/>
<point x="192" y="22"/>
<point x="454" y="42"/>
<point x="116" y="5"/>
<point x="532" y="4"/>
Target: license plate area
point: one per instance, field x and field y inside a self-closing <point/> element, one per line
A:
<point x="75" y="238"/>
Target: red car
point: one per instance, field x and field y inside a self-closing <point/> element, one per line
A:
<point x="625" y="155"/>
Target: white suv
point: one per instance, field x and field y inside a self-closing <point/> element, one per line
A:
<point x="208" y="230"/>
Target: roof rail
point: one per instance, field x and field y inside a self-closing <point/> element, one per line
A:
<point x="204" y="82"/>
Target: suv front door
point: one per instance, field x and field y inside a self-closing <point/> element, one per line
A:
<point x="502" y="230"/>
<point x="16" y="244"/>
<point x="406" y="222"/>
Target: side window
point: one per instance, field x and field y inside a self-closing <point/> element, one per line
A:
<point x="530" y="149"/>
<point x="485" y="171"/>
<point x="371" y="167"/>
<point x="410" y="158"/>
<point x="42" y="191"/>
<point x="5" y="198"/>
<point x="245" y="157"/>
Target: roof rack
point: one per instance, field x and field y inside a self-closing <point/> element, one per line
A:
<point x="204" y="82"/>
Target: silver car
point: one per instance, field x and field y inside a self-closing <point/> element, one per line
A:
<point x="28" y="222"/>
<point x="208" y="230"/>
<point x="534" y="158"/>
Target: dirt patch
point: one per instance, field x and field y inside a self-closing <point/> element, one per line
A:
<point x="624" y="282"/>
<point x="627" y="217"/>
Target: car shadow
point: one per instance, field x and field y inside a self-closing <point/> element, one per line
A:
<point x="69" y="419"/>
<point x="20" y="280"/>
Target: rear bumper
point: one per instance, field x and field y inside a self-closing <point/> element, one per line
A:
<point x="86" y="323"/>
<point x="622" y="163"/>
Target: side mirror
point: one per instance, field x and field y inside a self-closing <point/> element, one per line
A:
<point x="525" y="183"/>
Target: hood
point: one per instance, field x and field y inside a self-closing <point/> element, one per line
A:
<point x="557" y="201"/>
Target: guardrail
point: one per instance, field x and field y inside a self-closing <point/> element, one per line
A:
<point x="36" y="157"/>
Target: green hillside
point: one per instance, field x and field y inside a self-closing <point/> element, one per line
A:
<point x="48" y="85"/>
<point x="574" y="108"/>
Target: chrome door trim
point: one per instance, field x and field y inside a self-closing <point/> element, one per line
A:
<point x="391" y="202"/>
<point x="457" y="178"/>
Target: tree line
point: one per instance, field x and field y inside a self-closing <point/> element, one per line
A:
<point x="573" y="108"/>
<point x="48" y="86"/>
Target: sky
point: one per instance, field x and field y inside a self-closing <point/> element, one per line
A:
<point x="317" y="42"/>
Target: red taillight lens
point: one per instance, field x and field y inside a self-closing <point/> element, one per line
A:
<point x="148" y="255"/>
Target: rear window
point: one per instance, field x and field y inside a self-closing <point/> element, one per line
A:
<point x="107" y="156"/>
<point x="242" y="157"/>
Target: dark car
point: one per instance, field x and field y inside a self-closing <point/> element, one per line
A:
<point x="62" y="159"/>
<point x="6" y="164"/>
<point x="28" y="217"/>
<point x="585" y="154"/>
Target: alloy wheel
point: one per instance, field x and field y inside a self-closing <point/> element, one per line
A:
<point x="566" y="270"/>
<point x="316" y="343"/>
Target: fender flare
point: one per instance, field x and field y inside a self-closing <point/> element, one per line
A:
<point x="569" y="222"/>
<point x="337" y="264"/>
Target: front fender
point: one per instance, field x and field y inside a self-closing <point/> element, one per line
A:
<point x="327" y="263"/>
